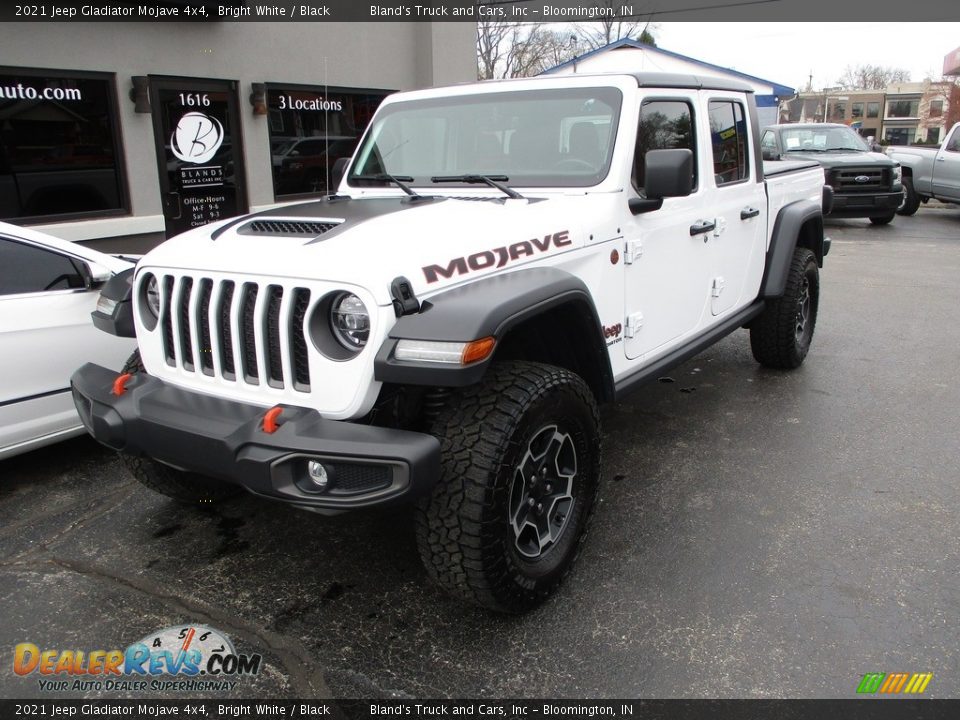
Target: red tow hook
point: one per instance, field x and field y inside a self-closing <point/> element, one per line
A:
<point x="270" y="423"/>
<point x="120" y="384"/>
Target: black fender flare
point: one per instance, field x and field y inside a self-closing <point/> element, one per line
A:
<point x="119" y="288"/>
<point x="784" y="239"/>
<point x="489" y="307"/>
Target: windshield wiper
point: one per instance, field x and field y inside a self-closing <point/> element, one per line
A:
<point x="803" y="150"/>
<point x="399" y="180"/>
<point x="493" y="181"/>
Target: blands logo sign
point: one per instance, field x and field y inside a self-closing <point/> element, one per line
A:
<point x="894" y="683"/>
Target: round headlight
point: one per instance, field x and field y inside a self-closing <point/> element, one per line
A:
<point x="350" y="321"/>
<point x="153" y="296"/>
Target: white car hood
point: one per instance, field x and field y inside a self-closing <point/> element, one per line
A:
<point x="434" y="243"/>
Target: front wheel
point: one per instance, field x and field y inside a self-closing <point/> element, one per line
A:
<point x="883" y="219"/>
<point x="911" y="201"/>
<point x="519" y="475"/>
<point x="781" y="336"/>
<point x="184" y="487"/>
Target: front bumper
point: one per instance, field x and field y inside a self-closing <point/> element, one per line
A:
<point x="224" y="439"/>
<point x="856" y="205"/>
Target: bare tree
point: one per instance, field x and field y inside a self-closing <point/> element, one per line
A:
<point x="871" y="77"/>
<point x="506" y="50"/>
<point x="597" y="33"/>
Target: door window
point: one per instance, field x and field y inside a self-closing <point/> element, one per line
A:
<point x="954" y="144"/>
<point x="28" y="269"/>
<point x="769" y="142"/>
<point x="663" y="125"/>
<point x="728" y="134"/>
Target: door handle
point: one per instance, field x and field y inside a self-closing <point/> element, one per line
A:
<point x="941" y="159"/>
<point x="702" y="226"/>
<point x="174" y="208"/>
<point x="748" y="212"/>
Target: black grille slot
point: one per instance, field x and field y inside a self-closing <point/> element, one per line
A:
<point x="168" y="320"/>
<point x="203" y="324"/>
<point x="299" y="358"/>
<point x="248" y="343"/>
<point x="845" y="179"/>
<point x="225" y="333"/>
<point x="355" y="479"/>
<point x="286" y="227"/>
<point x="274" y="355"/>
<point x="186" y="342"/>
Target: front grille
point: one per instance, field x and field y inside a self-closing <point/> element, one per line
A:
<point x="227" y="329"/>
<point x="286" y="227"/>
<point x="845" y="179"/>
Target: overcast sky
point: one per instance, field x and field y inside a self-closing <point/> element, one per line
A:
<point x="787" y="53"/>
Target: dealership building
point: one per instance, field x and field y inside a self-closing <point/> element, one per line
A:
<point x="123" y="133"/>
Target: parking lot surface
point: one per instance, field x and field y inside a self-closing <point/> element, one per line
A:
<point x="760" y="534"/>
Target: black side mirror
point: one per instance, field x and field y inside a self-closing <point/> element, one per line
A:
<point x="337" y="172"/>
<point x="668" y="173"/>
<point x="770" y="154"/>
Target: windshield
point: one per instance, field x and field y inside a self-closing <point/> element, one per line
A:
<point x="542" y="138"/>
<point x="822" y="140"/>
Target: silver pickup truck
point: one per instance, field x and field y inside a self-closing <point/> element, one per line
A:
<point x="930" y="173"/>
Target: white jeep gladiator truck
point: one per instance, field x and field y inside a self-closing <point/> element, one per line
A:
<point x="499" y="258"/>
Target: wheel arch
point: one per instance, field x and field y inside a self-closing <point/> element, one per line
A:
<point x="799" y="224"/>
<point x="542" y="314"/>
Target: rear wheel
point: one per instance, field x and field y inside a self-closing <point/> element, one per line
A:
<point x="520" y="472"/>
<point x="185" y="487"/>
<point x="781" y="336"/>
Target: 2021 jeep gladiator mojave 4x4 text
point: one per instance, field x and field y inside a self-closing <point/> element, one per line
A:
<point x="499" y="259"/>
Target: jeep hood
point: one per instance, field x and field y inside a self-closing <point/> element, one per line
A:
<point x="435" y="242"/>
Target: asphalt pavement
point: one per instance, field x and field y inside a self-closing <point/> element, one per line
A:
<point x="760" y="534"/>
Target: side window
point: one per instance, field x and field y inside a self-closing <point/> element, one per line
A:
<point x="663" y="125"/>
<point x="953" y="144"/>
<point x="728" y="133"/>
<point x="768" y="143"/>
<point x="27" y="269"/>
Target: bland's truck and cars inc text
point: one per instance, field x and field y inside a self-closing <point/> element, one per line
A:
<point x="442" y="330"/>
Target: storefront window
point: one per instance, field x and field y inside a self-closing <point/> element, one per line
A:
<point x="903" y="108"/>
<point x="59" y="145"/>
<point x="310" y="129"/>
<point x="900" y="136"/>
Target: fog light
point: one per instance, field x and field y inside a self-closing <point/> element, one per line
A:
<point x="318" y="474"/>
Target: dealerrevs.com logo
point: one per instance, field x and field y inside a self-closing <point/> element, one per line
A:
<point x="187" y="658"/>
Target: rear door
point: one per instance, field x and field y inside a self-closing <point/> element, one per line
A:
<point x="946" y="168"/>
<point x="737" y="198"/>
<point x="667" y="261"/>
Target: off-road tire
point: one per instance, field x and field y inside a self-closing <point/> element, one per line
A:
<point x="883" y="219"/>
<point x="184" y="487"/>
<point x="774" y="336"/>
<point x="911" y="201"/>
<point x="464" y="529"/>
